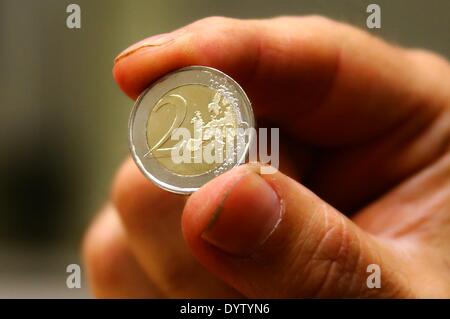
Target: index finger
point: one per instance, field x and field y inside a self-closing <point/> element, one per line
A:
<point x="324" y="81"/>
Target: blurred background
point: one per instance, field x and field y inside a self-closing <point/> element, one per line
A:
<point x="63" y="121"/>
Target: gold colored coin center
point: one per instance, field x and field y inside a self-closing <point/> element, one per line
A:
<point x="189" y="106"/>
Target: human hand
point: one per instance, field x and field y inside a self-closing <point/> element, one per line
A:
<point x="365" y="136"/>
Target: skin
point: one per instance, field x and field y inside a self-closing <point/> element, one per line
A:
<point x="364" y="172"/>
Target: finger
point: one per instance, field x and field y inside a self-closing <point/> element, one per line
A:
<point x="326" y="82"/>
<point x="351" y="178"/>
<point x="417" y="212"/>
<point x="422" y="201"/>
<point x="112" y="269"/>
<point x="152" y="218"/>
<point x="268" y="236"/>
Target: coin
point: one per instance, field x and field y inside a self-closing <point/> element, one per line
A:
<point x="190" y="126"/>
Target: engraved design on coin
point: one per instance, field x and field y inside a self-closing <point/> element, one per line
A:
<point x="189" y="127"/>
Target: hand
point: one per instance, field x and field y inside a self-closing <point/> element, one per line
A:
<point x="365" y="133"/>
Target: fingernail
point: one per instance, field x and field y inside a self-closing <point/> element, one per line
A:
<point x="245" y="219"/>
<point x="154" y="41"/>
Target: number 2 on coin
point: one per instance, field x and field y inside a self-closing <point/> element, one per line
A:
<point x="180" y="104"/>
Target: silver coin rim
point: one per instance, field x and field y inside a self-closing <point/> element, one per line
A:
<point x="179" y="189"/>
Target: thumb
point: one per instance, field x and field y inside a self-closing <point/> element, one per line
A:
<point x="269" y="236"/>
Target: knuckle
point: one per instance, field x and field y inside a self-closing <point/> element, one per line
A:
<point x="318" y="19"/>
<point x="334" y="242"/>
<point x="215" y="21"/>
<point x="209" y="29"/>
<point x="312" y="21"/>
<point x="335" y="261"/>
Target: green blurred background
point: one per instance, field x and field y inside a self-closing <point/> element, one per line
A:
<point x="63" y="121"/>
